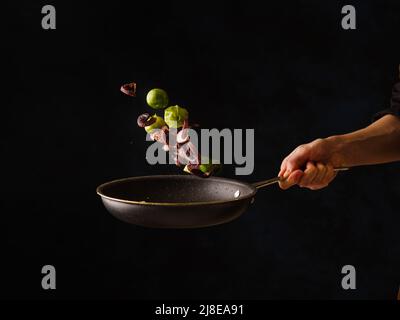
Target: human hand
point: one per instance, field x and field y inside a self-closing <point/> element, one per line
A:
<point x="310" y="165"/>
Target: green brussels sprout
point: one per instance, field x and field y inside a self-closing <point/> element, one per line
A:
<point x="175" y="116"/>
<point x="210" y="168"/>
<point x="206" y="169"/>
<point x="156" y="125"/>
<point x="157" y="99"/>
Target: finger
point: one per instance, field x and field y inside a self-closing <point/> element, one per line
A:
<point x="321" y="173"/>
<point x="295" y="160"/>
<point x="282" y="169"/>
<point x="309" y="174"/>
<point x="291" y="180"/>
<point x="330" y="174"/>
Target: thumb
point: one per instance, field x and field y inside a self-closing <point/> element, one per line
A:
<point x="291" y="180"/>
<point x="296" y="160"/>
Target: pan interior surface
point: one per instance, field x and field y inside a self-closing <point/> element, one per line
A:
<point x="175" y="189"/>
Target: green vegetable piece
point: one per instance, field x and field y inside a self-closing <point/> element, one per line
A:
<point x="175" y="116"/>
<point x="210" y="168"/>
<point x="205" y="167"/>
<point x="156" y="125"/>
<point x="157" y="98"/>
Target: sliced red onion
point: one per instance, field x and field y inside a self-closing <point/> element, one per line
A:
<point x="144" y="120"/>
<point x="176" y="157"/>
<point x="153" y="135"/>
<point x="166" y="132"/>
<point x="188" y="154"/>
<point x="129" y="89"/>
<point x="182" y="136"/>
<point x="159" y="135"/>
<point x="182" y="156"/>
<point x="194" y="152"/>
<point x="193" y="166"/>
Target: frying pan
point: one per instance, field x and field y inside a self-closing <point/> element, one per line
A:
<point x="179" y="201"/>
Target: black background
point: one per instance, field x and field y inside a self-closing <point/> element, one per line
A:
<point x="286" y="69"/>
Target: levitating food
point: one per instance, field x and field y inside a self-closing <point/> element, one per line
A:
<point x="174" y="123"/>
<point x="129" y="89"/>
<point x="157" y="99"/>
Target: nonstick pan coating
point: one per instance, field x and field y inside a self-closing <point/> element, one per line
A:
<point x="176" y="201"/>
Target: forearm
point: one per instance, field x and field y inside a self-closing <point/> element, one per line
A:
<point x="377" y="143"/>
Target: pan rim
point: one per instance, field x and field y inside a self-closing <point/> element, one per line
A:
<point x="99" y="191"/>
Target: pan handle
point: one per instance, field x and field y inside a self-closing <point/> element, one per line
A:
<point x="268" y="182"/>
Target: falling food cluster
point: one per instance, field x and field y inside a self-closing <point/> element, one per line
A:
<point x="172" y="131"/>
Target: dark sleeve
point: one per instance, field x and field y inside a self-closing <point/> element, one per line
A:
<point x="394" y="104"/>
